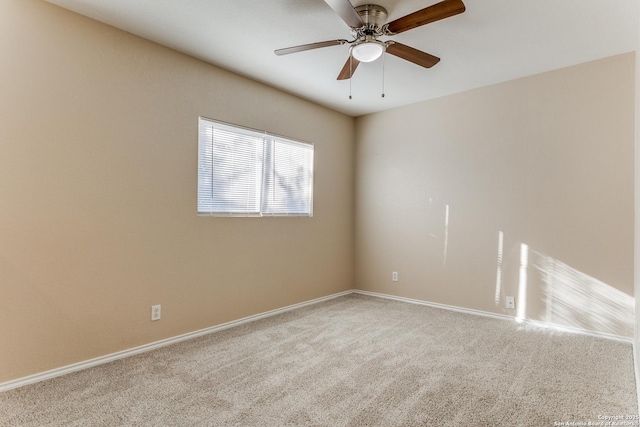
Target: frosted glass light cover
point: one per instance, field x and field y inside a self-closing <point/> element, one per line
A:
<point x="367" y="51"/>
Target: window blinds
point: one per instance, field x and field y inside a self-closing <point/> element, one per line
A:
<point x="245" y="172"/>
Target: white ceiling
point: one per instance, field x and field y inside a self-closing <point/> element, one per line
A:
<point x="491" y="42"/>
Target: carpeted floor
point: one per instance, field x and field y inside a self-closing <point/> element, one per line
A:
<point x="351" y="361"/>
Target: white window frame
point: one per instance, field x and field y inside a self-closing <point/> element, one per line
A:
<point x="261" y="189"/>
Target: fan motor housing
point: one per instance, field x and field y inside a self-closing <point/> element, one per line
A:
<point x="372" y="14"/>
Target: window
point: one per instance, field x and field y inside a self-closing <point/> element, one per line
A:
<point x="245" y="172"/>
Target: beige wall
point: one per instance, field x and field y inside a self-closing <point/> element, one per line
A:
<point x="98" y="146"/>
<point x="545" y="161"/>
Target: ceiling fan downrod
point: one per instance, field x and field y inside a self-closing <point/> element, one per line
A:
<point x="374" y="18"/>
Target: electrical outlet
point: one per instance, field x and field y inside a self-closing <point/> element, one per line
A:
<point x="510" y="302"/>
<point x="394" y="276"/>
<point x="155" y="312"/>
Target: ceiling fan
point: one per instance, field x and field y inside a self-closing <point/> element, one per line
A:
<point x="367" y="26"/>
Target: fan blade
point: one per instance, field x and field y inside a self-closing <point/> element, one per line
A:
<point x="433" y="13"/>
<point x="346" y="12"/>
<point x="416" y="56"/>
<point x="302" y="48"/>
<point x="349" y="68"/>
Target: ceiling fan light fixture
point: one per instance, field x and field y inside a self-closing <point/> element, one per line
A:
<point x="368" y="50"/>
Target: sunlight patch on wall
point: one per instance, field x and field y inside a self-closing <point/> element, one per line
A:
<point x="522" y="283"/>
<point x="446" y="234"/>
<point x="573" y="298"/>
<point x="499" y="268"/>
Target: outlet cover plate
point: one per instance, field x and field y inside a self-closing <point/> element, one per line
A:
<point x="510" y="302"/>
<point x="155" y="312"/>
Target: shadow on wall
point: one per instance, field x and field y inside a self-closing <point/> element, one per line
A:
<point x="569" y="297"/>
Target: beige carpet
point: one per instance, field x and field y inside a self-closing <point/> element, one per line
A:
<point x="351" y="361"/>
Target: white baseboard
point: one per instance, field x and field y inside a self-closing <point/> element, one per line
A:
<point x="9" y="385"/>
<point x="5" y="386"/>
<point x="537" y="323"/>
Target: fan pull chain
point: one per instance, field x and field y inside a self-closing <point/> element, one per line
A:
<point x="350" y="73"/>
<point x="383" y="55"/>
